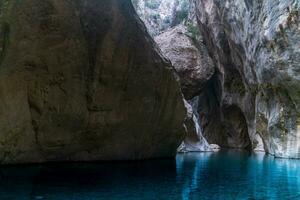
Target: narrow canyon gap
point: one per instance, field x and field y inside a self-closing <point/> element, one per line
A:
<point x="238" y="65"/>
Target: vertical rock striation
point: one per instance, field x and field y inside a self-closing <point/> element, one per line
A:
<point x="256" y="89"/>
<point x="82" y="80"/>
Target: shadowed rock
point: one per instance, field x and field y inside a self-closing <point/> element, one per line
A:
<point x="82" y="80"/>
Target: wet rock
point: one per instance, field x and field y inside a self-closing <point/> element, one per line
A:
<point x="160" y="15"/>
<point x="194" y="140"/>
<point x="215" y="147"/>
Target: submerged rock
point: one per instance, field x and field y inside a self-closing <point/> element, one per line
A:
<point x="82" y="80"/>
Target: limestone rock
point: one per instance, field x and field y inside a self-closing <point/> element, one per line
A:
<point x="255" y="45"/>
<point x="160" y="15"/>
<point x="82" y="80"/>
<point x="189" y="58"/>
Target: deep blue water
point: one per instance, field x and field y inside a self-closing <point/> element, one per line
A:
<point x="216" y="176"/>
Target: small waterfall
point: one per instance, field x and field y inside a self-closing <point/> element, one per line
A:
<point x="293" y="143"/>
<point x="194" y="140"/>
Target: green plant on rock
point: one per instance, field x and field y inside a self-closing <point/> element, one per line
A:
<point x="193" y="30"/>
<point x="154" y="17"/>
<point x="182" y="12"/>
<point x="182" y="15"/>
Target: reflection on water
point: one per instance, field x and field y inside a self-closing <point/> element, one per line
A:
<point x="237" y="175"/>
<point x="223" y="175"/>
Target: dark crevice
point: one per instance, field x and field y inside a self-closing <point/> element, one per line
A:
<point x="95" y="25"/>
<point x="236" y="127"/>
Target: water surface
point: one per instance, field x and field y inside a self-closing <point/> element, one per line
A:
<point x="217" y="176"/>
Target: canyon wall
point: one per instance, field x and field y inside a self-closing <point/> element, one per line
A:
<point x="253" y="99"/>
<point x="82" y="80"/>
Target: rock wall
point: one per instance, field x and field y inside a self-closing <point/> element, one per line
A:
<point x="256" y="89"/>
<point x="82" y="80"/>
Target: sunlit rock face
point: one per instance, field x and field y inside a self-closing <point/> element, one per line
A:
<point x="82" y="80"/>
<point x="159" y="15"/>
<point x="255" y="45"/>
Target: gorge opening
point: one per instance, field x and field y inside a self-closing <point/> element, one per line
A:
<point x="209" y="125"/>
<point x="97" y="97"/>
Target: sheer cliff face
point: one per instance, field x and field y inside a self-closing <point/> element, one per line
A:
<point x="82" y="80"/>
<point x="255" y="46"/>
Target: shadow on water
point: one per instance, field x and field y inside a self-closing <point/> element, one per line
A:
<point x="223" y="175"/>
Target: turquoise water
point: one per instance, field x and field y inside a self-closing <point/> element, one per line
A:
<point x="224" y="175"/>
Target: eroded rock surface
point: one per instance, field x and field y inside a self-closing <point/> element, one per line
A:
<point x="82" y="80"/>
<point x="255" y="45"/>
<point x="189" y="58"/>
